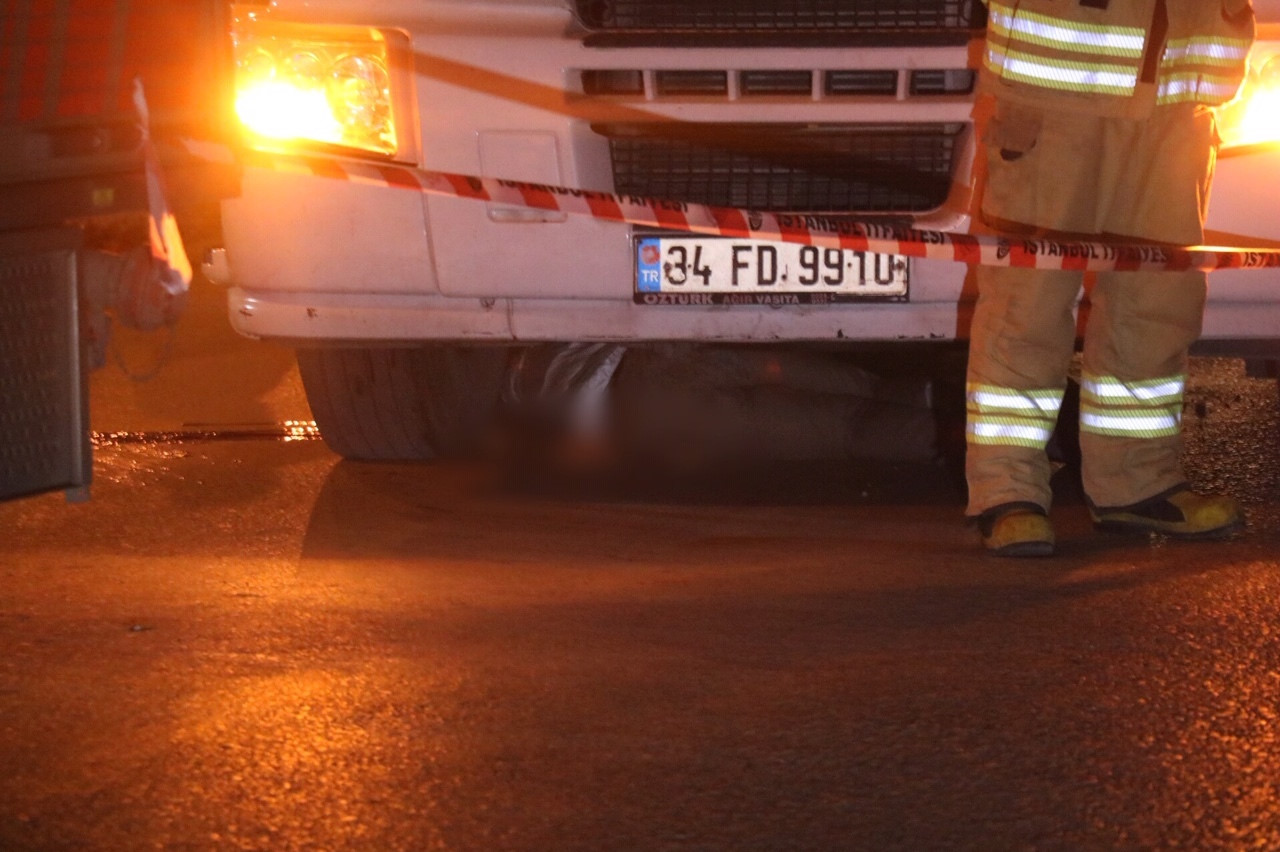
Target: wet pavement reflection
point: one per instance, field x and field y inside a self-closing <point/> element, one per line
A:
<point x="243" y="643"/>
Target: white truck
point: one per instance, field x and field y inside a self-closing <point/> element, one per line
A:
<point x="404" y="306"/>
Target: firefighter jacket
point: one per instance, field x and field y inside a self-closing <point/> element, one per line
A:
<point x="1118" y="58"/>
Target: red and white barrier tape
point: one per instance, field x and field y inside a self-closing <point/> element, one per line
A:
<point x="822" y="231"/>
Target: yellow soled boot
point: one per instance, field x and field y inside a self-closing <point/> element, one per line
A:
<point x="1177" y="513"/>
<point x="1016" y="529"/>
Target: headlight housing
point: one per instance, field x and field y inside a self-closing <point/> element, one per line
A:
<point x="309" y="84"/>
<point x="1253" y="118"/>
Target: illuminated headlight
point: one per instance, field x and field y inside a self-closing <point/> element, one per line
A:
<point x="1253" y="118"/>
<point x="330" y="85"/>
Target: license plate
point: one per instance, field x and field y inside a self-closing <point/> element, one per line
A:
<point x="717" y="271"/>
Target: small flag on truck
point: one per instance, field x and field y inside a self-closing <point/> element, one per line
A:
<point x="167" y="251"/>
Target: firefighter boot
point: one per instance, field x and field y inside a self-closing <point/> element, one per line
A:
<point x="1016" y="529"/>
<point x="1177" y="513"/>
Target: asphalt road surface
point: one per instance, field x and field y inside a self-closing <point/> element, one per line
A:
<point x="243" y="643"/>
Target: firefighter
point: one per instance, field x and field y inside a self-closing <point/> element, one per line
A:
<point x="1100" y="124"/>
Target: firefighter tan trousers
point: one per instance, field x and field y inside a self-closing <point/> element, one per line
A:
<point x="1081" y="175"/>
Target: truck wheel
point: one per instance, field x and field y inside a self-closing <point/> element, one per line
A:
<point x="403" y="404"/>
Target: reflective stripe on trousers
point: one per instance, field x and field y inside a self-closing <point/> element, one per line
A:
<point x="1012" y="417"/>
<point x="1147" y="409"/>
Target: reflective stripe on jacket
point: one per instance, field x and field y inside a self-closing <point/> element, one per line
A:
<point x="1100" y="58"/>
<point x="1206" y="54"/>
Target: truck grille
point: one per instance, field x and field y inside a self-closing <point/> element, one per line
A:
<point x="780" y="16"/>
<point x="900" y="168"/>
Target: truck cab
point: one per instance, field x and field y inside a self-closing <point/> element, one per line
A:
<point x="405" y="307"/>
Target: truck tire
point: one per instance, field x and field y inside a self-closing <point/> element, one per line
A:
<point x="403" y="404"/>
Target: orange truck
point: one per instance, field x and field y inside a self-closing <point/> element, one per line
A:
<point x="71" y="153"/>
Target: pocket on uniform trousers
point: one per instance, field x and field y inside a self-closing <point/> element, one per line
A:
<point x="1009" y="192"/>
<point x="1013" y="131"/>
